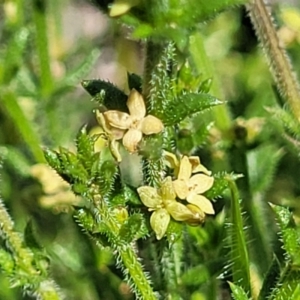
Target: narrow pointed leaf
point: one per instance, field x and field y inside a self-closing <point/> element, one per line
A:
<point x="239" y="254"/>
<point x="186" y="105"/>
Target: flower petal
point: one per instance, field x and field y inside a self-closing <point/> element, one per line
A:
<point x="167" y="189"/>
<point x="151" y="125"/>
<point x="200" y="183"/>
<point x="136" y="105"/>
<point x="202" y="202"/>
<point x="185" y="168"/>
<point x="198" y="215"/>
<point x="159" y="222"/>
<point x="181" y="188"/>
<point x="197" y="166"/>
<point x="118" y="119"/>
<point x="131" y="139"/>
<point x="171" y="160"/>
<point x="178" y="211"/>
<point x="149" y="196"/>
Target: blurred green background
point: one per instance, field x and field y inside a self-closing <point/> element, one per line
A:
<point x="46" y="49"/>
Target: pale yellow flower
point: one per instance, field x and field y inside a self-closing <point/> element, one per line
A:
<point x="174" y="163"/>
<point x="163" y="204"/>
<point x="190" y="187"/>
<point x="131" y="127"/>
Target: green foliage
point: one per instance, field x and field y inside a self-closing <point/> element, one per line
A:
<point x="289" y="232"/>
<point x="91" y="219"/>
<point x="237" y="292"/>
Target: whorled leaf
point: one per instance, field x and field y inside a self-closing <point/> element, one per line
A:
<point x="186" y="105"/>
<point x="288" y="232"/>
<point x="85" y="148"/>
<point x="106" y="94"/>
<point x="107" y="175"/>
<point x="133" y="228"/>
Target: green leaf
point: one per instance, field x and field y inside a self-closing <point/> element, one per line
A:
<point x="134" y="82"/>
<point x="85" y="148"/>
<point x="133" y="228"/>
<point x="239" y="254"/>
<point x="288" y="232"/>
<point x="72" y="167"/>
<point x="107" y="94"/>
<point x="238" y="292"/>
<point x="52" y="157"/>
<point x="128" y="195"/>
<point x="186" y="105"/>
<point x="289" y="287"/>
<point x="74" y="76"/>
<point x="107" y="175"/>
<point x="262" y="163"/>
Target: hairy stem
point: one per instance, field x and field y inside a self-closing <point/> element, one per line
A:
<point x="129" y="258"/>
<point x="277" y="57"/>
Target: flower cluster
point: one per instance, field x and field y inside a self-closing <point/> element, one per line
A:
<point x="162" y="202"/>
<point x="129" y="127"/>
<point x="181" y="198"/>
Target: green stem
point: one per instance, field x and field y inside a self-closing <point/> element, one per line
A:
<point x="153" y="54"/>
<point x="41" y="39"/>
<point x="12" y="108"/>
<point x="277" y="57"/>
<point x="136" y="272"/>
<point x="129" y="258"/>
<point x="44" y="288"/>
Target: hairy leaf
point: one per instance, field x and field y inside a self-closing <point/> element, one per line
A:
<point x="238" y="292"/>
<point x="107" y="94"/>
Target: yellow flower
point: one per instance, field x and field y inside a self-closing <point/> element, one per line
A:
<point x="163" y="204"/>
<point x="174" y="163"/>
<point x="190" y="187"/>
<point x="131" y="127"/>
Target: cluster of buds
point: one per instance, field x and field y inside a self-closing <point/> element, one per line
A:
<point x="180" y="198"/>
<point x="187" y="187"/>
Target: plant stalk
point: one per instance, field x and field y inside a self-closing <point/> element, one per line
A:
<point x="279" y="62"/>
